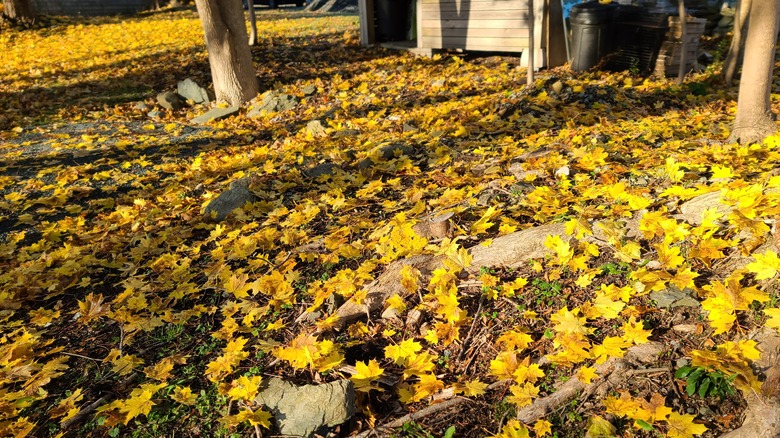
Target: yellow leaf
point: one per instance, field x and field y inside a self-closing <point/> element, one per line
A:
<point x="184" y="395"/>
<point x="542" y="428"/>
<point x="401" y="352"/>
<point x="765" y="266"/>
<point x="244" y="388"/>
<point x="600" y="428"/>
<point x="255" y="418"/>
<point x="140" y="401"/>
<point x="522" y="395"/>
<point x="586" y="374"/>
<point x="366" y="374"/>
<point x="125" y="365"/>
<point x="721" y="172"/>
<point x="682" y="426"/>
<point x="567" y="321"/>
<point x="474" y="388"/>
<point x="160" y="371"/>
<point x="774" y="318"/>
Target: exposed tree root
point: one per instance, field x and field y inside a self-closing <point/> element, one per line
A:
<point x="762" y="418"/>
<point x="509" y="251"/>
<point x="756" y="132"/>
<point x="612" y="372"/>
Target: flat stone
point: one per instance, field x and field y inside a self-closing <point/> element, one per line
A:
<point x="154" y="114"/>
<point x="309" y="90"/>
<point x="142" y="106"/>
<point x="393" y="150"/>
<point x="272" y="101"/>
<point x="316" y="128"/>
<point x="215" y="114"/>
<point x="322" y="169"/>
<point x="691" y="211"/>
<point x="520" y="174"/>
<point x="673" y="297"/>
<point x="236" y="196"/>
<point x="170" y="101"/>
<point x="304" y="410"/>
<point x="191" y="91"/>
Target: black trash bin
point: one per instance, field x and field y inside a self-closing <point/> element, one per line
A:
<point x="592" y="30"/>
<point x="393" y="19"/>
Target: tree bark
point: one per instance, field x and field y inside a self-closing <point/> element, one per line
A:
<point x="20" y="10"/>
<point x="252" y="22"/>
<point x="229" y="55"/>
<point x="737" y="41"/>
<point x="754" y="120"/>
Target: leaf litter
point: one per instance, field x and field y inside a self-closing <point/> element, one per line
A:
<point x="126" y="310"/>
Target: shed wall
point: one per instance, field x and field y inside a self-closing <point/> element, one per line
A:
<point x="89" y="7"/>
<point x="496" y="25"/>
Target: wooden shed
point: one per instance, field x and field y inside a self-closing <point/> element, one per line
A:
<point x="475" y="25"/>
<point x="90" y="7"/>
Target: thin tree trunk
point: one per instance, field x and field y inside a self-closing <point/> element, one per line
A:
<point x="754" y="120"/>
<point x="683" y="40"/>
<point x="229" y="55"/>
<point x="20" y="10"/>
<point x="252" y="22"/>
<point x="737" y="41"/>
<point x="531" y="30"/>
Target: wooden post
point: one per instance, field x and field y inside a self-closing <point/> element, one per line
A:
<point x="531" y="44"/>
<point x="683" y="38"/>
<point x="367" y="29"/>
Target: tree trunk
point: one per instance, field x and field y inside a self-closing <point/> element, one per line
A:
<point x="755" y="120"/>
<point x="229" y="55"/>
<point x="252" y="22"/>
<point x="737" y="41"/>
<point x="20" y="10"/>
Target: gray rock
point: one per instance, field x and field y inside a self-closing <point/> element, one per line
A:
<point x="346" y="133"/>
<point x="322" y="169"/>
<point x="234" y="197"/>
<point x="520" y="174"/>
<point x="215" y="114"/>
<point x="272" y="101"/>
<point x="142" y="106"/>
<point x="691" y="211"/>
<point x="309" y="90"/>
<point x="189" y="90"/>
<point x="673" y="297"/>
<point x="154" y="114"/>
<point x="316" y="128"/>
<point x="303" y="410"/>
<point x="170" y="101"/>
<point x="393" y="150"/>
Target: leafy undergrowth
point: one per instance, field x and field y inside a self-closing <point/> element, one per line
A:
<point x="121" y="300"/>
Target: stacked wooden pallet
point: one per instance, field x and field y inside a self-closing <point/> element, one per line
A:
<point x="668" y="61"/>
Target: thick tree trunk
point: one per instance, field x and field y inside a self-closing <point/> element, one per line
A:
<point x="20" y="10"/>
<point x="229" y="55"/>
<point x="755" y="120"/>
<point x="252" y="22"/>
<point x="737" y="41"/>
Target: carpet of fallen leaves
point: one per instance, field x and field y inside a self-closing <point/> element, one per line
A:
<point x="126" y="311"/>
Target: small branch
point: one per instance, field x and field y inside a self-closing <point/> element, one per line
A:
<point x="96" y="404"/>
<point x="81" y="356"/>
<point x="430" y="410"/>
<point x="471" y="330"/>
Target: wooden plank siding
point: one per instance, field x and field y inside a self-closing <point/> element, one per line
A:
<point x="491" y="25"/>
